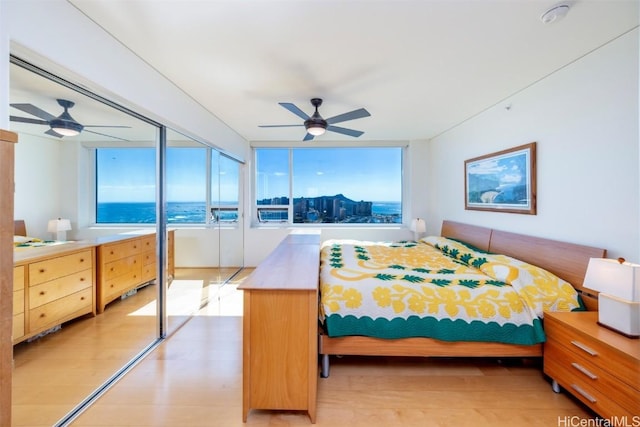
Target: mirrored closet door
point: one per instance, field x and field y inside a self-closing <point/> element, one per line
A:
<point x="101" y="176"/>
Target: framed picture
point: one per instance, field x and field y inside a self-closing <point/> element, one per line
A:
<point x="504" y="181"/>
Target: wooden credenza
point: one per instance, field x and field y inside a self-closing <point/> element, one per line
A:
<point x="126" y="262"/>
<point x="52" y="285"/>
<point x="280" y="341"/>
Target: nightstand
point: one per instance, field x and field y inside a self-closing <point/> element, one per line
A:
<point x="598" y="366"/>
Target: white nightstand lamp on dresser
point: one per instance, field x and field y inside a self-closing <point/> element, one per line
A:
<point x="618" y="284"/>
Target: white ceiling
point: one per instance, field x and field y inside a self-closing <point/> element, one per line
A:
<point x="419" y="67"/>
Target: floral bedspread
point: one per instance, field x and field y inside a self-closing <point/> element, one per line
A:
<point x="438" y="288"/>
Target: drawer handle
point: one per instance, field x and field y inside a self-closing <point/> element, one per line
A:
<point x="81" y="259"/>
<point x="583" y="393"/>
<point x="42" y="270"/>
<point x="42" y="292"/>
<point x="82" y="279"/>
<point x="584" y="370"/>
<point x="42" y="315"/>
<point x="584" y="348"/>
<point x="110" y="252"/>
<point x="81" y="298"/>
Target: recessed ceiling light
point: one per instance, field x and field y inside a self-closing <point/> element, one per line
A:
<point x="554" y="14"/>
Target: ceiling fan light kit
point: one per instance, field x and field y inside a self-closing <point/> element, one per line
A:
<point x="63" y="125"/>
<point x="316" y="125"/>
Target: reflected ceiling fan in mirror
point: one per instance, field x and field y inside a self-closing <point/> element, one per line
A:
<point x="316" y="125"/>
<point x="60" y="126"/>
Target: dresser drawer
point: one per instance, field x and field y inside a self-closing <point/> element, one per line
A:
<point x="43" y="271"/>
<point x="597" y="352"/>
<point x="591" y="383"/>
<point x="117" y="286"/>
<point x="60" y="310"/>
<point x="148" y="257"/>
<point x="113" y="251"/>
<point x="18" y="302"/>
<point x="148" y="272"/>
<point x="59" y="288"/>
<point x="124" y="266"/>
<point x="18" y="327"/>
<point x="148" y="243"/>
<point x="18" y="278"/>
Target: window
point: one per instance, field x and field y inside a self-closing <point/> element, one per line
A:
<point x="225" y="178"/>
<point x="329" y="185"/>
<point x="125" y="186"/>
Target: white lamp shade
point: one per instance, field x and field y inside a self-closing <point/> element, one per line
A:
<point x="59" y="224"/>
<point x="611" y="277"/>
<point x="418" y="225"/>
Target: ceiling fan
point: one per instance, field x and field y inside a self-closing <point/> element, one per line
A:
<point x="316" y="125"/>
<point x="63" y="125"/>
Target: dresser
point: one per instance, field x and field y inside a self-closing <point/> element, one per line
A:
<point x="52" y="285"/>
<point x="280" y="325"/>
<point x="598" y="366"/>
<point x="126" y="262"/>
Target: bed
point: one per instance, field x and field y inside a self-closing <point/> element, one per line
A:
<point x="22" y="241"/>
<point x="425" y="309"/>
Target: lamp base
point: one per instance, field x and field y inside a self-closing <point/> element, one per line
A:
<point x="619" y="315"/>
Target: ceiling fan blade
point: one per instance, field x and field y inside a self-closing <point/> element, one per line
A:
<point x="307" y="137"/>
<point x="295" y="110"/>
<point x="53" y="133"/>
<point x="345" y="131"/>
<point x="104" y="134"/>
<point x="278" y="126"/>
<point x="34" y="111"/>
<point x="28" y="120"/>
<point x="351" y="115"/>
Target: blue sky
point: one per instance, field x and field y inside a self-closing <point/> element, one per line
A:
<point x="128" y="175"/>
<point x="358" y="173"/>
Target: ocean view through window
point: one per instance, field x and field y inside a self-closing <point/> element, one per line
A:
<point x="196" y="193"/>
<point x="329" y="185"/>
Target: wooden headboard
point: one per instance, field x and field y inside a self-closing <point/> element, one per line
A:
<point x="19" y="228"/>
<point x="566" y="260"/>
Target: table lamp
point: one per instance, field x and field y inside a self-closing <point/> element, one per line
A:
<point x="418" y="226"/>
<point x="618" y="284"/>
<point x="59" y="228"/>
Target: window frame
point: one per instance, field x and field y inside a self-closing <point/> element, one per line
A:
<point x="210" y="205"/>
<point x="255" y="208"/>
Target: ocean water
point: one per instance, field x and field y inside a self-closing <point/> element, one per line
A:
<point x="188" y="212"/>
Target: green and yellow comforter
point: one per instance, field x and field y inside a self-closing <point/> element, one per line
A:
<point x="437" y="288"/>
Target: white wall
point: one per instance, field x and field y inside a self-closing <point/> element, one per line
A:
<point x="36" y="31"/>
<point x="584" y="119"/>
<point x="32" y="30"/>
<point x="38" y="185"/>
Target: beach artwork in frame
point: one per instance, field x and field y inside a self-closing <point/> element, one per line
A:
<point x="504" y="181"/>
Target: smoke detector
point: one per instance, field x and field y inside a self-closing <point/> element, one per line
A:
<point x="554" y="14"/>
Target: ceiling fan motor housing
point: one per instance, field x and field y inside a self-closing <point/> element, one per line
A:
<point x="64" y="120"/>
<point x="316" y="119"/>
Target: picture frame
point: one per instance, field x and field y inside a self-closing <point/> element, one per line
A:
<point x="504" y="181"/>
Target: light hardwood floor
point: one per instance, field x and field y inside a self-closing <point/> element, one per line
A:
<point x="195" y="379"/>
